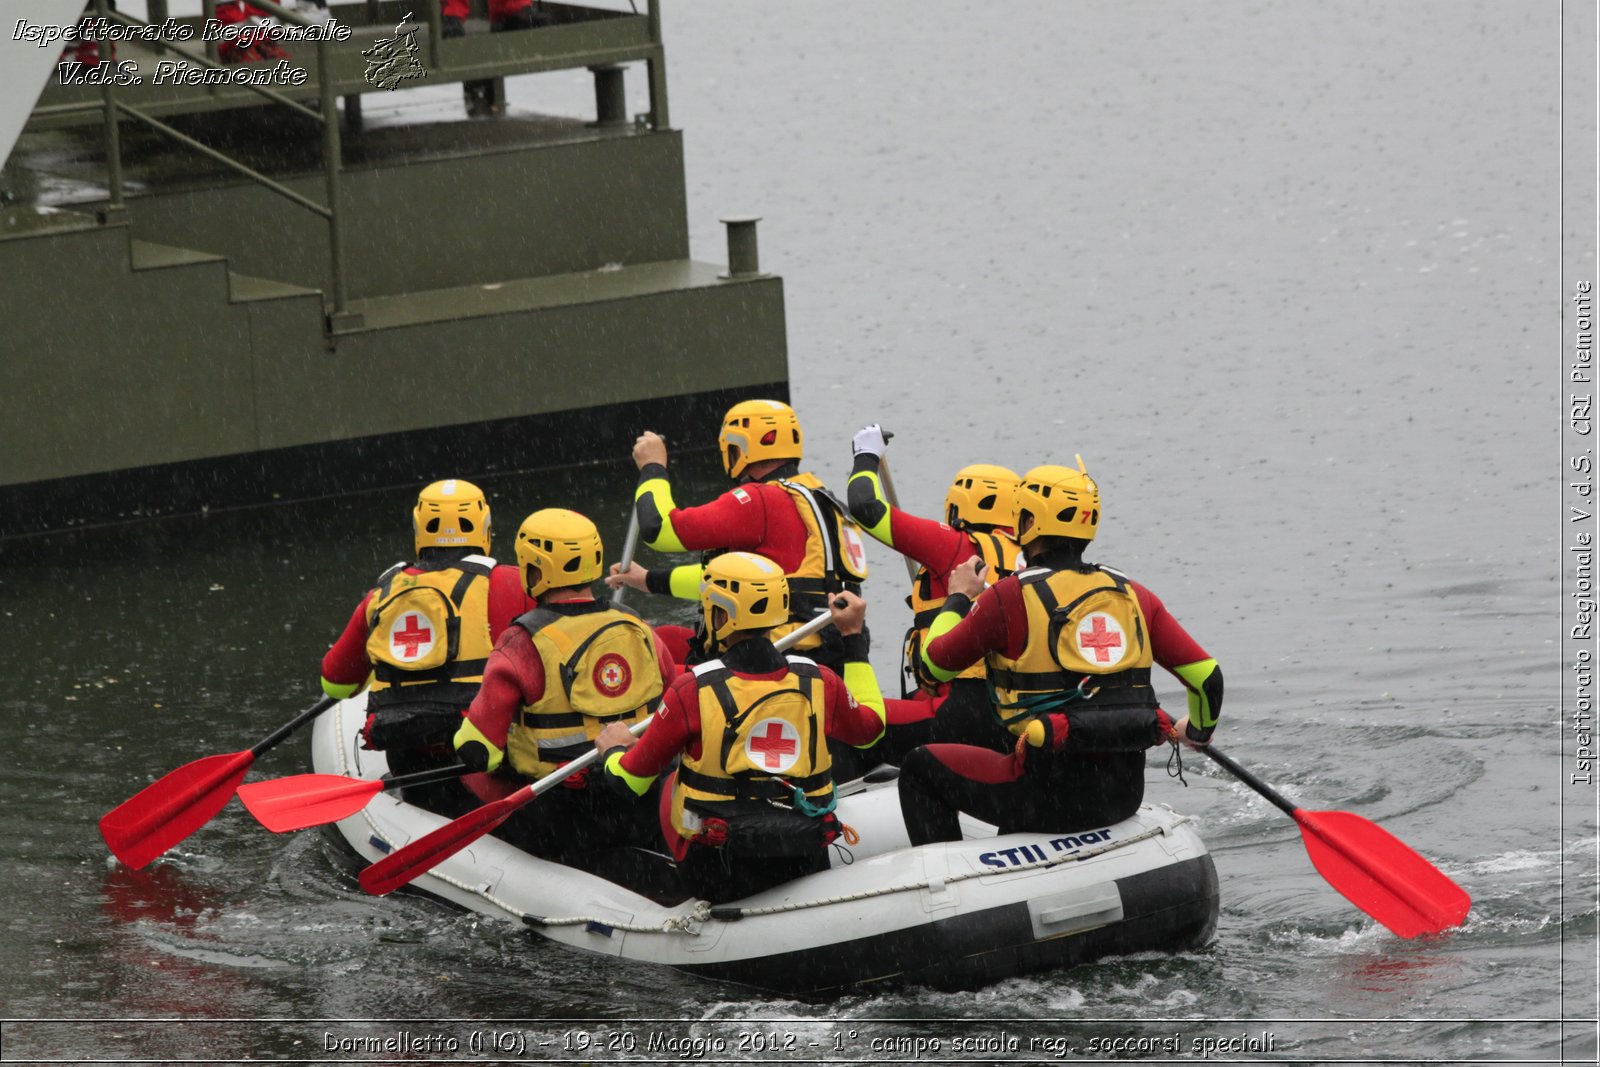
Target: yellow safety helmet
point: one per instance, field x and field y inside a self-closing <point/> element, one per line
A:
<point x="751" y="590"/>
<point x="982" y="494"/>
<point x="563" y="546"/>
<point x="1057" y="502"/>
<point x="757" y="430"/>
<point x="451" y="514"/>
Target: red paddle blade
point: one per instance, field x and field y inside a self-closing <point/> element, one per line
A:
<point x="171" y="808"/>
<point x="1380" y="874"/>
<point x="285" y="804"/>
<point x="406" y="864"/>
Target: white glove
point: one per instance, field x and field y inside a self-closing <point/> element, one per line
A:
<point x="869" y="439"/>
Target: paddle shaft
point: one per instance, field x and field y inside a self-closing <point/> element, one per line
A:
<point x="437" y="774"/>
<point x="630" y="545"/>
<point x="1277" y="798"/>
<point x="894" y="502"/>
<point x="277" y="736"/>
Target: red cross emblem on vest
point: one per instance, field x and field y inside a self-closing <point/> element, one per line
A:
<point x="773" y="745"/>
<point x="611" y="674"/>
<point x="854" y="549"/>
<point x="1100" y="640"/>
<point x="412" y="637"/>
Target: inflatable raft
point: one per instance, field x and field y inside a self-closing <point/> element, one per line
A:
<point x="949" y="915"/>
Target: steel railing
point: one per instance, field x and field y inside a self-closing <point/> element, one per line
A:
<point x="326" y="114"/>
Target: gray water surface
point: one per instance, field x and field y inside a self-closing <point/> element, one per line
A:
<point x="1285" y="274"/>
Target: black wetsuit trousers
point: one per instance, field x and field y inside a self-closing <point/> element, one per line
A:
<point x="966" y="717"/>
<point x="1039" y="791"/>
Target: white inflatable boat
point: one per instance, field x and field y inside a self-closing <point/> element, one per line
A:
<point x="949" y="915"/>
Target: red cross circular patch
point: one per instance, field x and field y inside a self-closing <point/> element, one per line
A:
<point x="411" y="637"/>
<point x="773" y="746"/>
<point x="611" y="675"/>
<point x="1101" y="640"/>
<point x="855" y="550"/>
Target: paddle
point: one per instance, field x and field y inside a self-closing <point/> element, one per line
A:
<point x="894" y="502"/>
<point x="1373" y="869"/>
<point x="294" y="803"/>
<point x="174" y="806"/>
<point x="413" y="860"/>
<point x="630" y="545"/>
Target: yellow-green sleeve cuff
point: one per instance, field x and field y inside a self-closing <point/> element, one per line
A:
<point x="341" y="691"/>
<point x="1202" y="679"/>
<point x="659" y="491"/>
<point x="639" y="786"/>
<point x="942" y="624"/>
<point x="862" y="682"/>
<point x="468" y="733"/>
<point x="684" y="582"/>
<point x="865" y="487"/>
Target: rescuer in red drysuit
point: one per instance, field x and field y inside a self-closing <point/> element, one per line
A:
<point x="751" y="805"/>
<point x="522" y="726"/>
<point x="1068" y="646"/>
<point x="414" y="708"/>
<point x="776" y="511"/>
<point x="979" y="509"/>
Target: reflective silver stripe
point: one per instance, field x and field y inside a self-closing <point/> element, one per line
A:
<point x="705" y="668"/>
<point x="563" y="740"/>
<point x="830" y="561"/>
<point x="482" y="561"/>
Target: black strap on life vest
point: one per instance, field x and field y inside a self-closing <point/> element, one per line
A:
<point x="1109" y="685"/>
<point x="546" y="720"/>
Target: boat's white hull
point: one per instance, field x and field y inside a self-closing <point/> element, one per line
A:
<point x="955" y="914"/>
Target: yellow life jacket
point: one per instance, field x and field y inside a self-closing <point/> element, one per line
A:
<point x="599" y="667"/>
<point x="759" y="741"/>
<point x="428" y="634"/>
<point x="835" y="556"/>
<point x="999" y="552"/>
<point x="1079" y="623"/>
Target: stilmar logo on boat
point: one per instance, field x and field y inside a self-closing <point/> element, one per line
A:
<point x="1023" y="855"/>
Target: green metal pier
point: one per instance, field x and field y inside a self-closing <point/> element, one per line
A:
<point x="221" y="299"/>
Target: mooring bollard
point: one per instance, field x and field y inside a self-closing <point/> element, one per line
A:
<point x="744" y="258"/>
